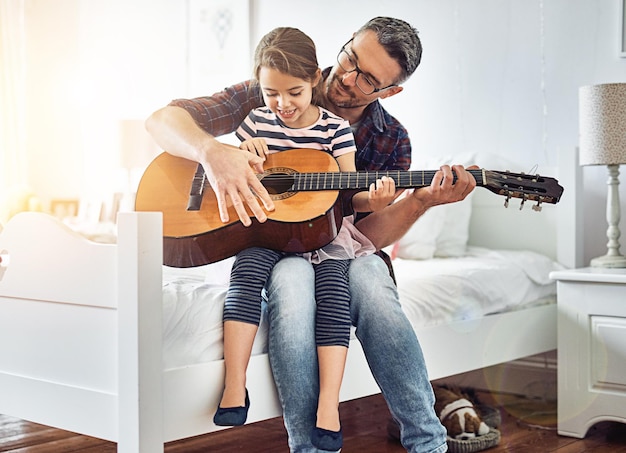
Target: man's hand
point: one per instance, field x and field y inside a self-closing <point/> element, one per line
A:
<point x="442" y="190"/>
<point x="231" y="174"/>
<point x="230" y="171"/>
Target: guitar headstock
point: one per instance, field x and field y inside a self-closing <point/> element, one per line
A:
<point x="537" y="188"/>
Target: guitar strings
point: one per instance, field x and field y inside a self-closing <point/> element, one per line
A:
<point x="401" y="177"/>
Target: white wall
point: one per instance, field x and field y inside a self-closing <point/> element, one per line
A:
<point x="91" y="64"/>
<point x="498" y="76"/>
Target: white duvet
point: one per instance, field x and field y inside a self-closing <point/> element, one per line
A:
<point x="482" y="282"/>
<point x="432" y="292"/>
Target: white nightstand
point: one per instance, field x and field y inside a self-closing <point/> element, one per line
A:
<point x="591" y="348"/>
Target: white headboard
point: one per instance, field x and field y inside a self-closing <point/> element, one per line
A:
<point x="555" y="231"/>
<point x="492" y="225"/>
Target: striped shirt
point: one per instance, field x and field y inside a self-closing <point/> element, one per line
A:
<point x="329" y="133"/>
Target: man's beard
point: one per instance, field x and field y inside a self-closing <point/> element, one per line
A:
<point x="341" y="96"/>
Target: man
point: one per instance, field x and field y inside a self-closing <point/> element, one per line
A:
<point x="380" y="56"/>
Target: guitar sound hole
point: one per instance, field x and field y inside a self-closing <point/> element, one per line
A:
<point x="277" y="183"/>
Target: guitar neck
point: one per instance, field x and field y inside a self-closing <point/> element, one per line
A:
<point x="281" y="177"/>
<point x="362" y="180"/>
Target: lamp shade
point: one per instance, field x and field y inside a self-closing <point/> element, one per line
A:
<point x="602" y="124"/>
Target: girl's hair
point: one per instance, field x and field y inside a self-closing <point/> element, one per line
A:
<point x="289" y="51"/>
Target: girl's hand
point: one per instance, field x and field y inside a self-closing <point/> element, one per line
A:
<point x="256" y="146"/>
<point x="381" y="193"/>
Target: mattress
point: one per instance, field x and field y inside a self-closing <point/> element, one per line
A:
<point x="480" y="283"/>
<point x="432" y="292"/>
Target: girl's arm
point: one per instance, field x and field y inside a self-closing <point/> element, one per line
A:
<point x="380" y="194"/>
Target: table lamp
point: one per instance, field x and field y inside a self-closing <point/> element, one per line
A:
<point x="603" y="142"/>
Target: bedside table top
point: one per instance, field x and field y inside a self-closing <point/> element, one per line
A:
<point x="591" y="274"/>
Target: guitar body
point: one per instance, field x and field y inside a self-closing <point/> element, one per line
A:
<point x="311" y="197"/>
<point x="302" y="221"/>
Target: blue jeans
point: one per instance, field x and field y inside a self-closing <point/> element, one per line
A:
<point x="390" y="344"/>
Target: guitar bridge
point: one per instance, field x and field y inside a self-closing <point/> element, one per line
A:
<point x="197" y="190"/>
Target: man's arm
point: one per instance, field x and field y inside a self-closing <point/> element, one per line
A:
<point x="229" y="170"/>
<point x="385" y="227"/>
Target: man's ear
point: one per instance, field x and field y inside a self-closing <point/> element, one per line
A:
<point x="391" y="91"/>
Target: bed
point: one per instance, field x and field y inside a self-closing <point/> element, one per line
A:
<point x="104" y="340"/>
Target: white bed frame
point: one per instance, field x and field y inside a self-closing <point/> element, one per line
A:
<point x="81" y="335"/>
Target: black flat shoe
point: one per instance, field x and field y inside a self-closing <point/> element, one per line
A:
<point x="326" y="440"/>
<point x="232" y="416"/>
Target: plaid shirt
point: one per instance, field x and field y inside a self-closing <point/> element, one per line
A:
<point x="382" y="142"/>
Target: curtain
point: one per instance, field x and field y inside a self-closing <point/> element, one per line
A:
<point x="12" y="95"/>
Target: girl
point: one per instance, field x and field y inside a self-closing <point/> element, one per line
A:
<point x="288" y="75"/>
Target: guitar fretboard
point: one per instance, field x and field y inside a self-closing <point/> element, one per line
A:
<point x="362" y="180"/>
<point x="283" y="179"/>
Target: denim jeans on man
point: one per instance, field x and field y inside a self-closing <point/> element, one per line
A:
<point x="390" y="344"/>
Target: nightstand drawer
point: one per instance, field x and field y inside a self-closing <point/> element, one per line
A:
<point x="608" y="348"/>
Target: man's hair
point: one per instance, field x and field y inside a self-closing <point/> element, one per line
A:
<point x="400" y="40"/>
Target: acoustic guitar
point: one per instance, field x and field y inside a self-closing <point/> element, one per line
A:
<point x="308" y="192"/>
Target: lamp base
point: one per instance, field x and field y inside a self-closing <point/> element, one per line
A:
<point x="609" y="261"/>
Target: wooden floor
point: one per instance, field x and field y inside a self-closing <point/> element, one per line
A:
<point x="527" y="426"/>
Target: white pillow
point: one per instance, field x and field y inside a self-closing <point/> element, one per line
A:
<point x="443" y="231"/>
<point x="454" y="234"/>
<point x="420" y="241"/>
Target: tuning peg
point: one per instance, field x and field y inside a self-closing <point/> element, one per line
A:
<point x="521" y="205"/>
<point x="537" y="207"/>
<point x="506" y="200"/>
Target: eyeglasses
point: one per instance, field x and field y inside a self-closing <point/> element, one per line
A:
<point x="347" y="63"/>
